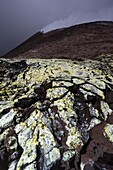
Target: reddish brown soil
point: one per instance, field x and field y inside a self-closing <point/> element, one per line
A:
<point x="80" y="41"/>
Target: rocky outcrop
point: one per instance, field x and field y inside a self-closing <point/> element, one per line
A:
<point x="56" y="114"/>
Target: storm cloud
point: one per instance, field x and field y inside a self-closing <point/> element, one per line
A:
<point x="19" y="19"/>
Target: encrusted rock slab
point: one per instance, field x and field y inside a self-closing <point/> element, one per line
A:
<point x="48" y="109"/>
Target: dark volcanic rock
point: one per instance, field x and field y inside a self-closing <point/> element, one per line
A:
<point x="11" y="70"/>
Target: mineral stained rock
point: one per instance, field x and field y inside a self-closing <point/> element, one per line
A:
<point x="56" y="114"/>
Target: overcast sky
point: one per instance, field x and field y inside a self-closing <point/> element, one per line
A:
<point x="19" y="19"/>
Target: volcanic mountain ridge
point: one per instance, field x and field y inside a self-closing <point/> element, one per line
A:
<point x="88" y="40"/>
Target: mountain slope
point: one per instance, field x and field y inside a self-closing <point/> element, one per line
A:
<point x="79" y="41"/>
<point x="56" y="113"/>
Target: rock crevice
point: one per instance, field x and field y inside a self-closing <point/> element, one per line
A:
<point x="53" y="113"/>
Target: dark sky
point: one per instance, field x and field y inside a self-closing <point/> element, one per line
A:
<point x="19" y="19"/>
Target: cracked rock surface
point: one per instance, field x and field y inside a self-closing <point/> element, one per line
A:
<point x="56" y="114"/>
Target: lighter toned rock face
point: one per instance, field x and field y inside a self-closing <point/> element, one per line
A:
<point x="47" y="108"/>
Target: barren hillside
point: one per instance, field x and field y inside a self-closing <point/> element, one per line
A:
<point x="85" y="40"/>
<point x="56" y="113"/>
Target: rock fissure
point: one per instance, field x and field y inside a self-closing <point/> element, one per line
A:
<point x="57" y="110"/>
